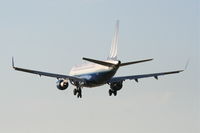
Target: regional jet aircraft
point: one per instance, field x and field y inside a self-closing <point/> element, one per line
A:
<point x="97" y="72"/>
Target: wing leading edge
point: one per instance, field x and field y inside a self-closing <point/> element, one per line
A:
<point x="40" y="73"/>
<point x="136" y="77"/>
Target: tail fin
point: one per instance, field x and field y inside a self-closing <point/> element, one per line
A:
<point x="113" y="50"/>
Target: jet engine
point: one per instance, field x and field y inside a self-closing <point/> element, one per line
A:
<point x="116" y="86"/>
<point x="62" y="84"/>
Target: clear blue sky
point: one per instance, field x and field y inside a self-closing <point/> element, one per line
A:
<point x="53" y="35"/>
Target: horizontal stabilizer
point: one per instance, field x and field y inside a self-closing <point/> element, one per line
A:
<point x="99" y="62"/>
<point x="134" y="62"/>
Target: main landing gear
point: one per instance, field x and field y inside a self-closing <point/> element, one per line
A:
<point x="114" y="92"/>
<point x="77" y="91"/>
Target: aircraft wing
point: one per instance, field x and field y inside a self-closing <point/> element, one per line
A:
<point x="40" y="73"/>
<point x="136" y="77"/>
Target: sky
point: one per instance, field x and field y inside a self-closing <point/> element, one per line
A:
<point x="54" y="35"/>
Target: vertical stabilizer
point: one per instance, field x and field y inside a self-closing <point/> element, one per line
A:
<point x="113" y="50"/>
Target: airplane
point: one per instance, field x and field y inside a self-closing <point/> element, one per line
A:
<point x="97" y="72"/>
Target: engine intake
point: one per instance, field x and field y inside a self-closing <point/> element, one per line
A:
<point x="62" y="84"/>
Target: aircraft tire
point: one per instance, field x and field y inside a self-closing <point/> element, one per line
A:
<point x="79" y="93"/>
<point x="110" y="92"/>
<point x="115" y="93"/>
<point x="75" y="91"/>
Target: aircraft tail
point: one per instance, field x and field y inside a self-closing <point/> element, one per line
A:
<point x="113" y="50"/>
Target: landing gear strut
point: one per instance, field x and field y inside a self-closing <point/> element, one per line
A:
<point x="77" y="91"/>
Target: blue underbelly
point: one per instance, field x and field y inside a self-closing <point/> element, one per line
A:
<point x="96" y="79"/>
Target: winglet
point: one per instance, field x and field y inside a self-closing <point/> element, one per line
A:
<point x="13" y="64"/>
<point x="187" y="63"/>
<point x="186" y="66"/>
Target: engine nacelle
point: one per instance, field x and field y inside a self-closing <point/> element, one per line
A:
<point x="116" y="86"/>
<point x="62" y="84"/>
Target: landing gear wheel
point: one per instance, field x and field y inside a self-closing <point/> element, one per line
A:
<point x="75" y="91"/>
<point x="115" y="93"/>
<point x="110" y="92"/>
<point x="79" y="93"/>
